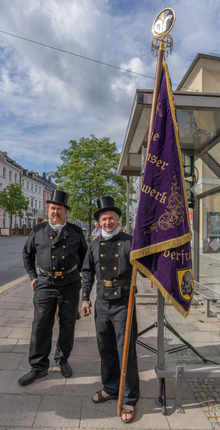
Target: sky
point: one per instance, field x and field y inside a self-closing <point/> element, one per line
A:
<point x="48" y="97"/>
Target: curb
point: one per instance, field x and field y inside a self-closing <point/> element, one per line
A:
<point x="13" y="283"/>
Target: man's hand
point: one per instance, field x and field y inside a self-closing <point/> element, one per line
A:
<point x="85" y="308"/>
<point x="32" y="283"/>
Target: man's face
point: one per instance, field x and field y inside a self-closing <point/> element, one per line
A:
<point x="96" y="225"/>
<point x="56" y="214"/>
<point x="108" y="221"/>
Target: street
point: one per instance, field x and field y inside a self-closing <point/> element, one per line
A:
<point x="11" y="262"/>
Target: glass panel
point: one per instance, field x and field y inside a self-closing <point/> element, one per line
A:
<point x="215" y="152"/>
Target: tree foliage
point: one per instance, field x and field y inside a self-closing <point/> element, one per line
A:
<point x="13" y="201"/>
<point x="89" y="171"/>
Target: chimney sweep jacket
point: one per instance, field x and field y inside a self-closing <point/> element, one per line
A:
<point x="55" y="253"/>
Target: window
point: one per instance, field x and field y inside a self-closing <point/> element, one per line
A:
<point x="22" y="183"/>
<point x="39" y="204"/>
<point x="35" y="204"/>
<point x="45" y="209"/>
<point x="39" y="190"/>
<point x="35" y="188"/>
<point x="10" y="175"/>
<point x="4" y="172"/>
<point x="16" y="178"/>
<point x="45" y="197"/>
<point x="27" y="185"/>
<point x="4" y="220"/>
<point x="32" y="203"/>
<point x="32" y="187"/>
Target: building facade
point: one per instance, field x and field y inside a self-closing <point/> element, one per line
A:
<point x="10" y="172"/>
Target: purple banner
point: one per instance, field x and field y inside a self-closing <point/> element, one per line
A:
<point x="161" y="240"/>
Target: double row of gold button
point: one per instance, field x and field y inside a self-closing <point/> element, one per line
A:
<point x="102" y="255"/>
<point x="63" y="257"/>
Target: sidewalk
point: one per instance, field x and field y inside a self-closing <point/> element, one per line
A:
<point x="57" y="403"/>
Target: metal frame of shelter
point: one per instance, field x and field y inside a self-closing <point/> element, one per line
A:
<point x="130" y="165"/>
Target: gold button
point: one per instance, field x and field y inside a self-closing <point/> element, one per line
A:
<point x="63" y="268"/>
<point x="63" y="257"/>
<point x="54" y="268"/>
<point x="116" y="255"/>
<point x="53" y="247"/>
<point x="64" y="237"/>
<point x="102" y="243"/>
<point x="102" y="268"/>
<point x="64" y="246"/>
<point x="53" y="256"/>
<point x="51" y="237"/>
<point x="62" y="277"/>
<point x="55" y="276"/>
<point x="119" y="244"/>
<point x="115" y="279"/>
<point x="115" y="268"/>
<point x="115" y="293"/>
<point x="101" y="255"/>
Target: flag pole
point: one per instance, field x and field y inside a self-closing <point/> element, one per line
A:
<point x="134" y="270"/>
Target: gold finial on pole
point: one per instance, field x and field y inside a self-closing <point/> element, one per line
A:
<point x="162" y="25"/>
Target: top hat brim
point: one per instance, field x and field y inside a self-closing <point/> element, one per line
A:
<point x="108" y="208"/>
<point x="58" y="203"/>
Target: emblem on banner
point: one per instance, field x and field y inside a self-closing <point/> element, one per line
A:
<point x="185" y="283"/>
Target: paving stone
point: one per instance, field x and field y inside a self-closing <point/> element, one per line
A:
<point x="82" y="385"/>
<point x="24" y="333"/>
<point x="11" y="305"/>
<point x="9" y="382"/>
<point x="193" y="417"/>
<point x="7" y="345"/>
<point x="15" y="313"/>
<point x="10" y="361"/>
<point x="59" y="412"/>
<point x="5" y="331"/>
<point x="22" y="346"/>
<point x="3" y="321"/>
<point x="52" y="384"/>
<point x="18" y="322"/>
<point x="17" y="410"/>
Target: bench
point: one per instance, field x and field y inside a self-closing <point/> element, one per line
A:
<point x="208" y="295"/>
<point x="186" y="371"/>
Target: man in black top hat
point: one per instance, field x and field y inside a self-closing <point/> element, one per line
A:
<point x="109" y="259"/>
<point x="59" y="248"/>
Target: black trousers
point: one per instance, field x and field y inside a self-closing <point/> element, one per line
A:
<point x="45" y="304"/>
<point x="110" y="319"/>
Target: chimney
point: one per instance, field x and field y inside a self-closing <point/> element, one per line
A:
<point x="44" y="176"/>
<point x="36" y="174"/>
<point x="5" y="153"/>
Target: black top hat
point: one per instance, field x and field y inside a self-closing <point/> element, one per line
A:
<point x="105" y="204"/>
<point x="59" y="198"/>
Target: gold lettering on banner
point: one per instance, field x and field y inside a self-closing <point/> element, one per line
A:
<point x="174" y="213"/>
<point x="158" y="163"/>
<point x="147" y="190"/>
<point x="156" y="136"/>
<point x="174" y="255"/>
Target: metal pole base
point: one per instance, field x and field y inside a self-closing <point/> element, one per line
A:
<point x="161" y="401"/>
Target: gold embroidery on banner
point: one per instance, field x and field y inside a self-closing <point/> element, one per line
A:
<point x="159" y="110"/>
<point x="156" y="136"/>
<point x="174" y="213"/>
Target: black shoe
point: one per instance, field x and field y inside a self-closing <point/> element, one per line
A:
<point x="65" y="368"/>
<point x="31" y="376"/>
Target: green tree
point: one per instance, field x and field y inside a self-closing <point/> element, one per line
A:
<point x="13" y="201"/>
<point x="89" y="171"/>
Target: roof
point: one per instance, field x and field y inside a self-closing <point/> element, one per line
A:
<point x="192" y="66"/>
